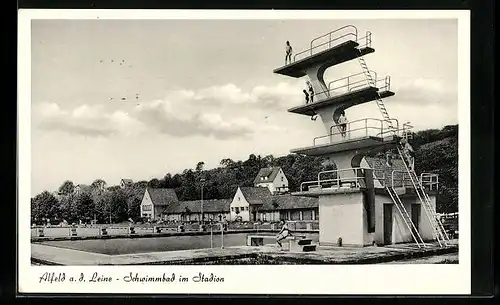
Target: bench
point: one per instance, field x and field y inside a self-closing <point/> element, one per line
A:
<point x="258" y="240"/>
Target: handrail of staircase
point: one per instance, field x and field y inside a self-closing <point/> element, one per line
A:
<point x="330" y="40"/>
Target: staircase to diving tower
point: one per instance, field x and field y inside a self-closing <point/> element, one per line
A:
<point x="339" y="193"/>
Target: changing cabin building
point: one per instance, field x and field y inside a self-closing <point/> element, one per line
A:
<point x="213" y="210"/>
<point x="259" y="204"/>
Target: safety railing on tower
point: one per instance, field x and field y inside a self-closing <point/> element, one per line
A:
<point x="333" y="39"/>
<point x="354" y="82"/>
<point x="400" y="178"/>
<point x="361" y="128"/>
<point x="353" y="178"/>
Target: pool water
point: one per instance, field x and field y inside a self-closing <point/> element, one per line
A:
<point x="157" y="244"/>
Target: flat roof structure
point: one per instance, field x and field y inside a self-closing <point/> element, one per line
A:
<point x="333" y="56"/>
<point x="347" y="145"/>
<point x="349" y="99"/>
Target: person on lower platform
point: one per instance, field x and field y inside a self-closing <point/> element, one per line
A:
<point x="408" y="152"/>
<point x="311" y="90"/>
<point x="307" y="96"/>
<point x="343" y="124"/>
<point x="283" y="234"/>
<point x="288" y="53"/>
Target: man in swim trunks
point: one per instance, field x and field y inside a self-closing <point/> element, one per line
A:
<point x="288" y="55"/>
<point x="284" y="233"/>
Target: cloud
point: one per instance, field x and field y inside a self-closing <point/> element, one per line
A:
<point x="278" y="97"/>
<point x="223" y="112"/>
<point x="163" y="117"/>
<point x="85" y="120"/>
<point x="426" y="91"/>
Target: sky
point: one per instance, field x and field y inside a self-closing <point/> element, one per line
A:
<point x="137" y="99"/>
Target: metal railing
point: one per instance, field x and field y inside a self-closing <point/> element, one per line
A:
<point x="430" y="180"/>
<point x="335" y="38"/>
<point x="404" y="180"/>
<point x="361" y="128"/>
<point x="356" y="180"/>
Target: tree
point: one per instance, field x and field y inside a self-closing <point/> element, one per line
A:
<point x="44" y="205"/>
<point x="67" y="188"/>
<point x="98" y="184"/>
<point x="227" y="162"/>
<point x="154" y="183"/>
<point x="199" y="166"/>
<point x="84" y="205"/>
<point x="68" y="208"/>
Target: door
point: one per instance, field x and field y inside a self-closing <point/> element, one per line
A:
<point x="415" y="217"/>
<point x="388" y="223"/>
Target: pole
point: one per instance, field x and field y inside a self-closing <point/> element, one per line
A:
<point x="222" y="236"/>
<point x="201" y="204"/>
<point x="211" y="238"/>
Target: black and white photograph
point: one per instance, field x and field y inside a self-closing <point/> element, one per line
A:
<point x="223" y="142"/>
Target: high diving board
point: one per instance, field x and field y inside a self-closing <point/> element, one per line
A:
<point x="349" y="99"/>
<point x="370" y="142"/>
<point x="333" y="56"/>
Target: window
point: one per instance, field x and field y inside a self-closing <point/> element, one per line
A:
<point x="282" y="178"/>
<point x="232" y="209"/>
<point x="239" y="199"/>
<point x="146" y="207"/>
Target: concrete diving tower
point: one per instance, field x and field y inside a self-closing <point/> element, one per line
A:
<point x="356" y="199"/>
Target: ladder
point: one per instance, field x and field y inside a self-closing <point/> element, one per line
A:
<point x="437" y="226"/>
<point x="372" y="83"/>
<point x="406" y="217"/>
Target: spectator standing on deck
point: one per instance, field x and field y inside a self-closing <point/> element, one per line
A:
<point x="408" y="153"/>
<point x="307" y="96"/>
<point x="288" y="53"/>
<point x="311" y="90"/>
<point x="284" y="232"/>
<point x="343" y="124"/>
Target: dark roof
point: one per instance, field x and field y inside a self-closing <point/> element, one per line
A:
<point x="255" y="195"/>
<point x="194" y="206"/>
<point x="270" y="173"/>
<point x="268" y="202"/>
<point x="289" y="202"/>
<point x="380" y="165"/>
<point x="162" y="196"/>
<point x="128" y="181"/>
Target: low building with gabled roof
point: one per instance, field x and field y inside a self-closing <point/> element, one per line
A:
<point x="259" y="204"/>
<point x="155" y="202"/>
<point x="273" y="178"/>
<point x="213" y="209"/>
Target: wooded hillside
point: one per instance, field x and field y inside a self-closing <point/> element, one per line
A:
<point x="436" y="152"/>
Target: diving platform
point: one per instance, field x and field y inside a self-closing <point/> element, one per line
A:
<point x="335" y="55"/>
<point x="362" y="143"/>
<point x="349" y="99"/>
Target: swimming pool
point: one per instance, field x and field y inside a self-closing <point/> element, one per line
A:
<point x="157" y="244"/>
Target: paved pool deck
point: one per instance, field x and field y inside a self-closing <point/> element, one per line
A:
<point x="50" y="255"/>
